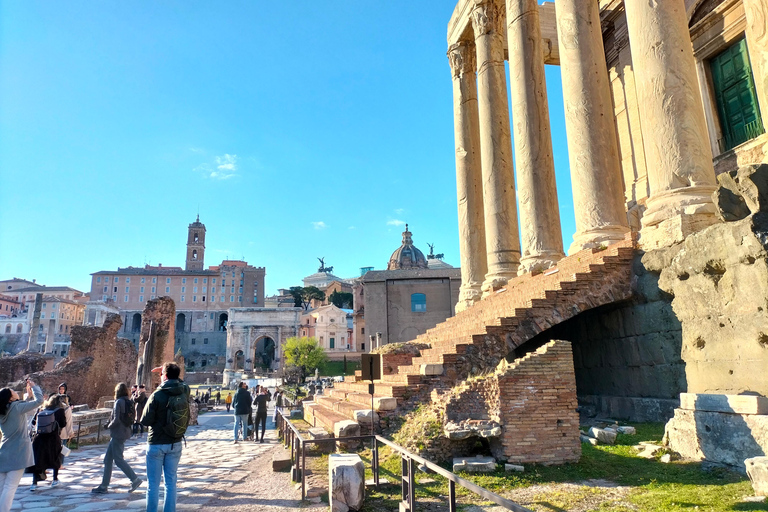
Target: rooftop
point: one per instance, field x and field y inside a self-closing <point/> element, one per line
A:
<point x="415" y="273"/>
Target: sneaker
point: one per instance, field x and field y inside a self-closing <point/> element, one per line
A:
<point x="135" y="484"/>
<point x="98" y="490"/>
<point x="235" y="441"/>
<point x="54" y="483"/>
<point x="33" y="487"/>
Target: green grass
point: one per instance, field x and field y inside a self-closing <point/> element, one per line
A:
<point x="334" y="368"/>
<point x="654" y="486"/>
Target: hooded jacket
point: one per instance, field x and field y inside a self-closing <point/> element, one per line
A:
<point x="16" y="447"/>
<point x="154" y="415"/>
<point x="242" y="402"/>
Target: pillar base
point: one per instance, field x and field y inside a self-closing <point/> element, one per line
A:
<point x="497" y="280"/>
<point x="539" y="263"/>
<point x="468" y="296"/>
<point x="673" y="215"/>
<point x="598" y="237"/>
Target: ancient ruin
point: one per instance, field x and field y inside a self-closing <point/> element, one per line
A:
<point x="156" y="344"/>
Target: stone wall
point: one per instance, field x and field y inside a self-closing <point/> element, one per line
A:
<point x="15" y="368"/>
<point x="97" y="360"/>
<point x="161" y="312"/>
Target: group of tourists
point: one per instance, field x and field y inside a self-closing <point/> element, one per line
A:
<point x="165" y="413"/>
<point x="243" y="404"/>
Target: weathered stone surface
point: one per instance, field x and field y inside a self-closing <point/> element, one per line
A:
<point x="735" y="404"/>
<point x="513" y="467"/>
<point x="432" y="369"/>
<point x="603" y="435"/>
<point x="347" y="428"/>
<point x="14" y="368"/>
<point x="648" y="450"/>
<point x="346" y="477"/>
<point x="742" y="192"/>
<point x="156" y="342"/>
<point x="477" y="464"/>
<point x="381" y="403"/>
<point x="364" y="416"/>
<point x="757" y="470"/>
<point x="281" y="460"/>
<point x="630" y="431"/>
<point x="718" y="437"/>
<point x="719" y="279"/>
<point x="586" y="439"/>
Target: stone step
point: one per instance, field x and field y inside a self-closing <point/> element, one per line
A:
<point x="319" y="416"/>
<point x="380" y="389"/>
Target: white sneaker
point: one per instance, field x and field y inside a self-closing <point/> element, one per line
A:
<point x="54" y="483"/>
<point x="33" y="487"/>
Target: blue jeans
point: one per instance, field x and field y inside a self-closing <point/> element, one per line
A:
<point x="241" y="420"/>
<point x="162" y="459"/>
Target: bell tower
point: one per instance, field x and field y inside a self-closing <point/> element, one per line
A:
<point x="196" y="245"/>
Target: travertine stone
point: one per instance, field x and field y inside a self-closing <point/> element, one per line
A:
<point x="346" y="477"/>
<point x="593" y="150"/>
<point x="680" y="170"/>
<point x="469" y="186"/>
<point x="734" y="404"/>
<point x="502" y="240"/>
<point x="541" y="239"/>
<point x="756" y="12"/>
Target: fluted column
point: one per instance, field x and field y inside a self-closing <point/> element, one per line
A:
<point x="678" y="156"/>
<point x="502" y="240"/>
<point x="541" y="241"/>
<point x="756" y="12"/>
<point x="593" y="148"/>
<point x="469" y="186"/>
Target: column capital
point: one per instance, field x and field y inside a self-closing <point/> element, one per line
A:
<point x="461" y="57"/>
<point x="487" y="16"/>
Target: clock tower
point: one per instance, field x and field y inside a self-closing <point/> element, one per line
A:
<point x="196" y="245"/>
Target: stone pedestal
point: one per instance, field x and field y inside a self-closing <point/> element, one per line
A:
<point x="678" y="155"/>
<point x="756" y="12"/>
<point x="502" y="239"/>
<point x="593" y="150"/>
<point x="541" y="239"/>
<point x="346" y="482"/>
<point x="469" y="186"/>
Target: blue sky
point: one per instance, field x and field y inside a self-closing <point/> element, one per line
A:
<point x="299" y="129"/>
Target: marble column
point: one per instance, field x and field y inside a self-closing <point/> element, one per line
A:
<point x="502" y="240"/>
<point x="677" y="151"/>
<point x="593" y="148"/>
<point x="541" y="239"/>
<point x="756" y="12"/>
<point x="469" y="185"/>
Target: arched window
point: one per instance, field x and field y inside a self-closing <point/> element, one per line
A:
<point x="18" y="329"/>
<point x="194" y="254"/>
<point x="418" y="303"/>
<point x="8" y="329"/>
<point x="196" y="238"/>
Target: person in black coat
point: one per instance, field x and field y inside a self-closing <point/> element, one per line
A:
<point x="47" y="447"/>
<point x="261" y="413"/>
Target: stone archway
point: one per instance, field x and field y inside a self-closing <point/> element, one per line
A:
<point x="239" y="363"/>
<point x="223" y="319"/>
<point x="264" y="352"/>
<point x="181" y="322"/>
<point x="136" y="322"/>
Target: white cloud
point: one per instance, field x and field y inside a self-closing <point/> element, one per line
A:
<point x="223" y="168"/>
<point x="395" y="222"/>
<point x="399" y="211"/>
<point x="319" y="225"/>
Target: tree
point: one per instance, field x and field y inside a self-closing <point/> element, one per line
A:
<point x="342" y="300"/>
<point x="303" y="296"/>
<point x="305" y="354"/>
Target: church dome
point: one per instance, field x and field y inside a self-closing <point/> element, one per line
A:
<point x="407" y="256"/>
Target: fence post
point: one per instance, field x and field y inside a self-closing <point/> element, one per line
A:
<point x="375" y="461"/>
<point x="404" y="481"/>
<point x="79" y="427"/>
<point x="303" y="467"/>
<point x="411" y="485"/>
<point x="98" y="433"/>
<point x="451" y="496"/>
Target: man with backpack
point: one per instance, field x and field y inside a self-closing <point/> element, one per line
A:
<point x="123" y="416"/>
<point x="167" y="416"/>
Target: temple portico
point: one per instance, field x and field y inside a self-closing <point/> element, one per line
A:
<point x="640" y="149"/>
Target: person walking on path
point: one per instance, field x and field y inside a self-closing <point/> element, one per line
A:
<point x="46" y="444"/>
<point x="228" y="401"/>
<point x="119" y="429"/>
<point x="15" y="448"/>
<point x="167" y="416"/>
<point x="242" y="406"/>
<point x="140" y="400"/>
<point x="261" y="413"/>
<point x="218" y="397"/>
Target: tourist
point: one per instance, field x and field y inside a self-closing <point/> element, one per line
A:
<point x="46" y="444"/>
<point x="242" y="406"/>
<point x="15" y="448"/>
<point x="66" y="404"/>
<point x="167" y="416"/>
<point x="228" y="400"/>
<point x="278" y="396"/>
<point x="218" y="397"/>
<point x="140" y="400"/>
<point x="261" y="413"/>
<point x="119" y="429"/>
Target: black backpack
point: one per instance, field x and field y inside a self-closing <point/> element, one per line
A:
<point x="45" y="423"/>
<point x="129" y="416"/>
<point x="176" y="416"/>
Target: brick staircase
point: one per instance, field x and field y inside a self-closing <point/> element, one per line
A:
<point x="475" y="340"/>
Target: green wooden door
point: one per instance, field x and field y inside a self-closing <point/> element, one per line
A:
<point x="735" y="96"/>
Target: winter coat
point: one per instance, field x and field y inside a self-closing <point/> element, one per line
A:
<point x="261" y="404"/>
<point x="242" y="402"/>
<point x="118" y="429"/>
<point x="155" y="412"/>
<point x="141" y="401"/>
<point x="16" y="447"/>
<point x="67" y="432"/>
<point x="47" y="447"/>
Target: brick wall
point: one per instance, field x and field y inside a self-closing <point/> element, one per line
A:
<point x="390" y="362"/>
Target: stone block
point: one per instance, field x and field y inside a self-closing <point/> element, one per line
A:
<point x="602" y="435"/>
<point x="431" y="369"/>
<point x="318" y="434"/>
<point x="513" y="467"/>
<point x="364" y="416"/>
<point x="586" y="439"/>
<point x="384" y="403"/>
<point x="346" y="482"/>
<point x="281" y="460"/>
<point x="736" y="404"/>
<point x="346" y="428"/>
<point x="477" y="464"/>
<point x="630" y="431"/>
<point x="757" y="470"/>
<point x="297" y="414"/>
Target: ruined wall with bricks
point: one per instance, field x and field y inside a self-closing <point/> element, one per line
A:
<point x="97" y="360"/>
<point x="162" y="312"/>
<point x="15" y="368"/>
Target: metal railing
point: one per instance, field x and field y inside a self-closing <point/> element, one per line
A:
<point x="89" y="422"/>
<point x="298" y="445"/>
